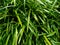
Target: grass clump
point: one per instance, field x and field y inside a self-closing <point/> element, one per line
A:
<point x="29" y="22"/>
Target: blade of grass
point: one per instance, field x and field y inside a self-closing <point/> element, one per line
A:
<point x="7" y="40"/>
<point x="35" y="17"/>
<point x="21" y="33"/>
<point x="6" y="7"/>
<point x="46" y="39"/>
<point x="53" y="4"/>
<point x="15" y="37"/>
<point x="55" y="29"/>
<point x="41" y="20"/>
<point x="18" y="18"/>
<point x="51" y="34"/>
<point x="28" y="20"/>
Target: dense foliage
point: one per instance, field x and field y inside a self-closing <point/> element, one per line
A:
<point x="29" y="22"/>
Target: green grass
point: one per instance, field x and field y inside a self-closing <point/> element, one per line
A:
<point x="29" y="22"/>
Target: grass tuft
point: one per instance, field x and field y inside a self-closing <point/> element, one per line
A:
<point x="29" y="22"/>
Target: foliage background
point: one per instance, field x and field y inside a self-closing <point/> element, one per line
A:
<point x="29" y="22"/>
